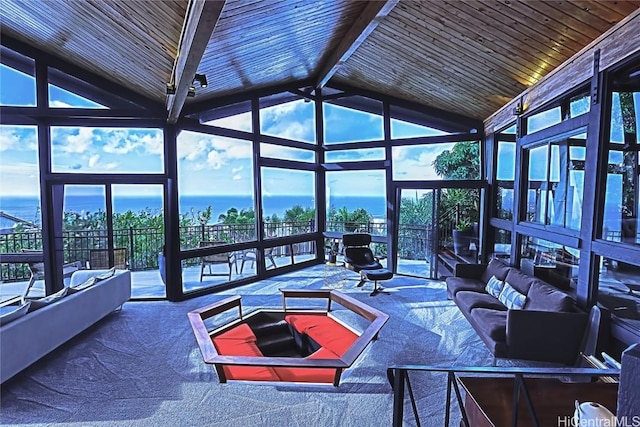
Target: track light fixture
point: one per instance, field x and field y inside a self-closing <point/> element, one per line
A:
<point x="518" y="109"/>
<point x="200" y="79"/>
<point x="192" y="92"/>
<point x="171" y="89"/>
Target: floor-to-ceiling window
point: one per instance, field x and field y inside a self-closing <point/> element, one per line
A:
<point x="619" y="250"/>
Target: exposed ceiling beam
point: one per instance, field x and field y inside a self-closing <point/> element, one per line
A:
<point x="364" y="25"/>
<point x="200" y="21"/>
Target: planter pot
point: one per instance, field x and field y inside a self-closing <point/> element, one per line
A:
<point x="333" y="258"/>
<point x="461" y="241"/>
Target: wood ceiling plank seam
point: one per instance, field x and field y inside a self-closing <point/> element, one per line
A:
<point x="433" y="96"/>
<point x="514" y="63"/>
<point x="434" y="81"/>
<point x="155" y="24"/>
<point x="365" y="23"/>
<point x="422" y="84"/>
<point x="461" y="47"/>
<point x="422" y="98"/>
<point x="527" y="23"/>
<point x="536" y="25"/>
<point x="580" y="65"/>
<point x="612" y="15"/>
<point x="434" y="73"/>
<point x="416" y="85"/>
<point x="444" y="52"/>
<point x="523" y="63"/>
<point x="579" y="15"/>
<point x="440" y="84"/>
<point x="242" y="33"/>
<point x="268" y="13"/>
<point x="83" y="38"/>
<point x="268" y="37"/>
<point x="279" y="54"/>
<point x="530" y="12"/>
<point x="484" y="11"/>
<point x="259" y="60"/>
<point x="514" y="38"/>
<point x="117" y="17"/>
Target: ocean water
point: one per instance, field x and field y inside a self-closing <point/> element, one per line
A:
<point x="27" y="208"/>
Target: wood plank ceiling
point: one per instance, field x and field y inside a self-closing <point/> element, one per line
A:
<point x="468" y="57"/>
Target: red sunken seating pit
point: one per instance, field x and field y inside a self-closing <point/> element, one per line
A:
<point x="305" y="346"/>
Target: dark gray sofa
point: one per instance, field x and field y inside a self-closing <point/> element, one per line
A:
<point x="549" y="327"/>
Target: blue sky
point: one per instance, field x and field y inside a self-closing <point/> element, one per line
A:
<point x="208" y="165"/>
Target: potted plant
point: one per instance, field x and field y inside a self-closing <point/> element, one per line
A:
<point x="333" y="247"/>
<point x="462" y="235"/>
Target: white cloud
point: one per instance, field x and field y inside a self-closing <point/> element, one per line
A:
<point x="94" y="160"/>
<point x="236" y="170"/>
<point x="119" y="142"/>
<point x="238" y="122"/>
<point x="59" y="104"/>
<point x="77" y="143"/>
<point x="214" y="159"/>
<point x="237" y="177"/>
<point x="17" y="138"/>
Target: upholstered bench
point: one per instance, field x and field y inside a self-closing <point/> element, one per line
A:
<point x="375" y="275"/>
<point x="306" y="346"/>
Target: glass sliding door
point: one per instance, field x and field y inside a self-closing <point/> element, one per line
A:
<point x="118" y="226"/>
<point x="416" y="253"/>
<point x="138" y="235"/>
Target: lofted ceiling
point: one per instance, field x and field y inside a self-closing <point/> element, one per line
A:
<point x="466" y="57"/>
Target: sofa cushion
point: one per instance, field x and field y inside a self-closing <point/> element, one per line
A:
<point x="310" y="375"/>
<point x="82" y="286"/>
<point x="511" y="298"/>
<point x="37" y="303"/>
<point x="495" y="268"/>
<point x="324" y="330"/>
<point x="241" y="341"/>
<point x="12" y="313"/>
<point x="457" y="284"/>
<point x="520" y="281"/>
<point x="543" y="297"/>
<point x="469" y="300"/>
<point x="494" y="286"/>
<point x="492" y="322"/>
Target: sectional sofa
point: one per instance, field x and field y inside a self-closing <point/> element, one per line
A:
<point x="516" y="315"/>
<point x="43" y="324"/>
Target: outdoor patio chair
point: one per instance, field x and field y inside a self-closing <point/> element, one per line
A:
<point x="250" y="255"/>
<point x="99" y="259"/>
<point x="208" y="261"/>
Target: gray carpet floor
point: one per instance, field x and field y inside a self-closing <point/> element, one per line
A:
<point x="141" y="366"/>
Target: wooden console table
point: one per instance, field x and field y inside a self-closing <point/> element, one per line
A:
<point x="509" y="396"/>
<point x="488" y="401"/>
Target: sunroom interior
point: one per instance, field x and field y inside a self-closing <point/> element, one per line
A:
<point x="518" y="117"/>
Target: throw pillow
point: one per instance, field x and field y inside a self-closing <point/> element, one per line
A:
<point x="14" y="314"/>
<point x="495" y="268"/>
<point x="494" y="286"/>
<point x="511" y="298"/>
<point x="84" y="285"/>
<point x="106" y="274"/>
<point x="542" y="297"/>
<point x="37" y="303"/>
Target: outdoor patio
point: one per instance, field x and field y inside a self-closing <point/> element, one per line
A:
<point x="148" y="283"/>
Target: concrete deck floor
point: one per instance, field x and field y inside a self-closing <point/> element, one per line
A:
<point x="148" y="283"/>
